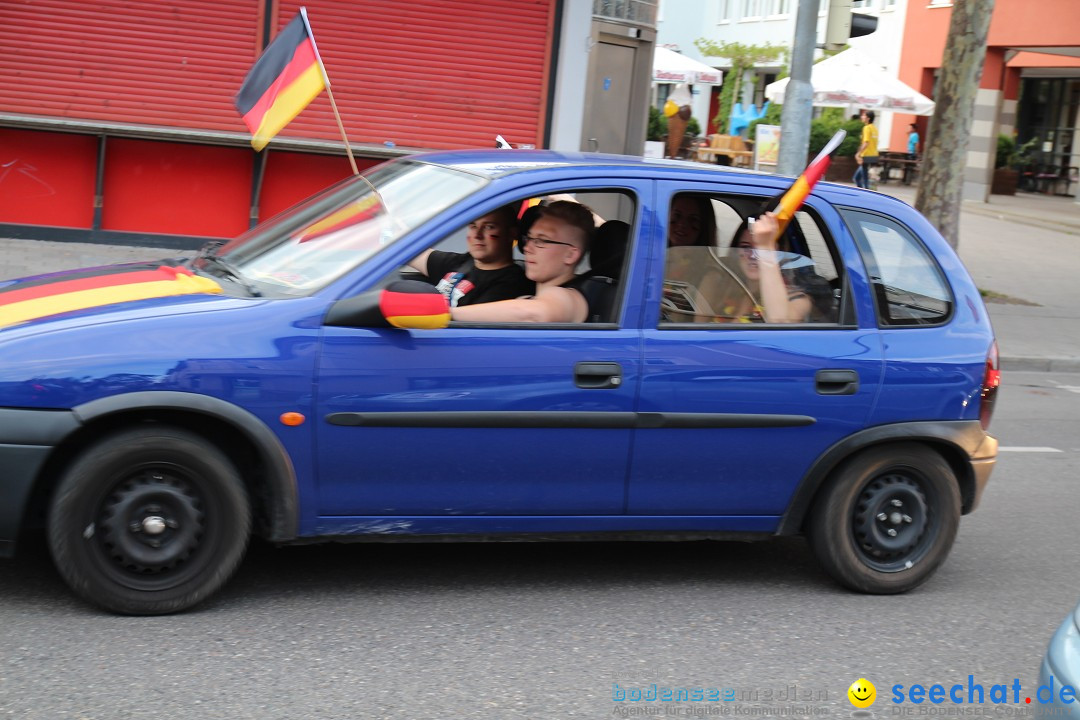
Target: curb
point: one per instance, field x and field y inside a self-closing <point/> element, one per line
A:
<point x="1036" y="364"/>
<point x="1022" y="219"/>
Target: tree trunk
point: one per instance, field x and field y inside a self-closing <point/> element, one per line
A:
<point x="941" y="183"/>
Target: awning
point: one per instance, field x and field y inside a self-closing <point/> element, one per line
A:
<point x="852" y="79"/>
<point x="672" y="67"/>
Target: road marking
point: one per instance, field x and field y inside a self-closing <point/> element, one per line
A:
<point x="1021" y="448"/>
<point x="1070" y="388"/>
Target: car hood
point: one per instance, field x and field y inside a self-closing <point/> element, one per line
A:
<point x="102" y="294"/>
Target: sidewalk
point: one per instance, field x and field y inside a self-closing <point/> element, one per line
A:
<point x="1024" y="252"/>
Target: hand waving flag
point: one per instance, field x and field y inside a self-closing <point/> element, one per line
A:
<point x="792" y="199"/>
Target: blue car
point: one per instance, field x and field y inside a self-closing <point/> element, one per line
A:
<point x="1059" y="674"/>
<point x="303" y="381"/>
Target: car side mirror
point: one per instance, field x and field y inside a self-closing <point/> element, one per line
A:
<point x="408" y="304"/>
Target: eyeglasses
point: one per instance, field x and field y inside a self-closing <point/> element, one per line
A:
<point x="541" y="243"/>
<point x="748" y="250"/>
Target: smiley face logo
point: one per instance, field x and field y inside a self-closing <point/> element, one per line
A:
<point x="862" y="693"/>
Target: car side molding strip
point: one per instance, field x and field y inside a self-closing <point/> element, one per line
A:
<point x="542" y="419"/>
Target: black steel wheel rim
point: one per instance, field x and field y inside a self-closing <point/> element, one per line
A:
<point x="893" y="524"/>
<point x="151" y="527"/>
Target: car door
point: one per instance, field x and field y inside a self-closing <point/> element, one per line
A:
<point x="471" y="420"/>
<point x="742" y="410"/>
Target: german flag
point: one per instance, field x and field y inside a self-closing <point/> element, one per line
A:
<point x="792" y="199"/>
<point x="351" y="214"/>
<point x="67" y="292"/>
<point x="414" y="304"/>
<point x="283" y="81"/>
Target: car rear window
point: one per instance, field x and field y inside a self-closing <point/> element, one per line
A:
<point x="909" y="286"/>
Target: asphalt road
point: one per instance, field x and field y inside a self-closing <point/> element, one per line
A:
<point x="535" y="631"/>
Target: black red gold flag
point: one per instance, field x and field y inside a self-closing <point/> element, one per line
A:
<point x="283" y="81"/>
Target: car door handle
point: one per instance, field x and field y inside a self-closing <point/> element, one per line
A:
<point x="597" y="375"/>
<point x="836" y="382"/>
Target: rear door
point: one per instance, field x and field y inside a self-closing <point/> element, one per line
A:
<point x="740" y="410"/>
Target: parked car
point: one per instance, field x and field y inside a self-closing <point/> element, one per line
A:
<point x="1059" y="673"/>
<point x="153" y="417"/>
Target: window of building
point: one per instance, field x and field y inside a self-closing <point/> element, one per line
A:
<point x="751" y="9"/>
<point x="725" y="11"/>
<point x="783" y="7"/>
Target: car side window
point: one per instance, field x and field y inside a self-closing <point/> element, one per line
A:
<point x="450" y="264"/>
<point x="715" y="277"/>
<point x="909" y="287"/>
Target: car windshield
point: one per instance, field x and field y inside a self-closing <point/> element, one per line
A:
<point x="312" y="244"/>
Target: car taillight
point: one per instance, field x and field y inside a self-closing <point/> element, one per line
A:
<point x="991" y="380"/>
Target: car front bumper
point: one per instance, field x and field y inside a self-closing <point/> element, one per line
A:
<point x="27" y="437"/>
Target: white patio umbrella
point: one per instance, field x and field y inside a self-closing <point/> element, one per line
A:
<point x="853" y="79"/>
<point x="672" y="67"/>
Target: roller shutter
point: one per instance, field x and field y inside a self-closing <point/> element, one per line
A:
<point x="425" y="74"/>
<point x="430" y="73"/>
<point x="172" y="63"/>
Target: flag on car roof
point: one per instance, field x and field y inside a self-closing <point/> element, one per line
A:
<point x="283" y="81"/>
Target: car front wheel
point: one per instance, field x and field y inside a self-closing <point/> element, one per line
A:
<point x="887" y="519"/>
<point x="149" y="521"/>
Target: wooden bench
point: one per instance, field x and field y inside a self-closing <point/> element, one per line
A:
<point x="729" y="146"/>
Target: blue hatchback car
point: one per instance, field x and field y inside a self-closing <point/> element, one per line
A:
<point x="153" y="417"/>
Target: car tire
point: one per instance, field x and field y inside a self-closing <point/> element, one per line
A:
<point x="149" y="521"/>
<point x="886" y="520"/>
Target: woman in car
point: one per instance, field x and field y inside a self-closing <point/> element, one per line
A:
<point x="748" y="285"/>
<point x="691" y="236"/>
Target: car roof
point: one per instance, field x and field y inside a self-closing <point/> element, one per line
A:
<point x="499" y="163"/>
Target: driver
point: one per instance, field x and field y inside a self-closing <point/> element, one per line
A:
<point x="485" y="273"/>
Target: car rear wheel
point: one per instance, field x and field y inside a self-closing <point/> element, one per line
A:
<point x="887" y="519"/>
<point x="149" y="521"/>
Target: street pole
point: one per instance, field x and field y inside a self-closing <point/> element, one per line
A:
<point x="799" y="95"/>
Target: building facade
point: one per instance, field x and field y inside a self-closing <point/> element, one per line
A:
<point x="769" y="22"/>
<point x="1030" y="85"/>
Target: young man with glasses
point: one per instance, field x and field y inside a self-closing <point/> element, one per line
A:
<point x="557" y="241"/>
<point x="487" y="272"/>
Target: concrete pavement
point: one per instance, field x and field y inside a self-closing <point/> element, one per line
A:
<point x="1022" y="250"/>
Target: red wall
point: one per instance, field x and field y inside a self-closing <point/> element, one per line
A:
<point x="181" y="189"/>
<point x="47" y="178"/>
<point x="291" y="177"/>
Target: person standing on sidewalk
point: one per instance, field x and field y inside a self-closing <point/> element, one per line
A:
<point x="867" y="154"/>
<point x="912" y="150"/>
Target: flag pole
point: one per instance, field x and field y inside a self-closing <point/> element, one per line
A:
<point x="329" y="92"/>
